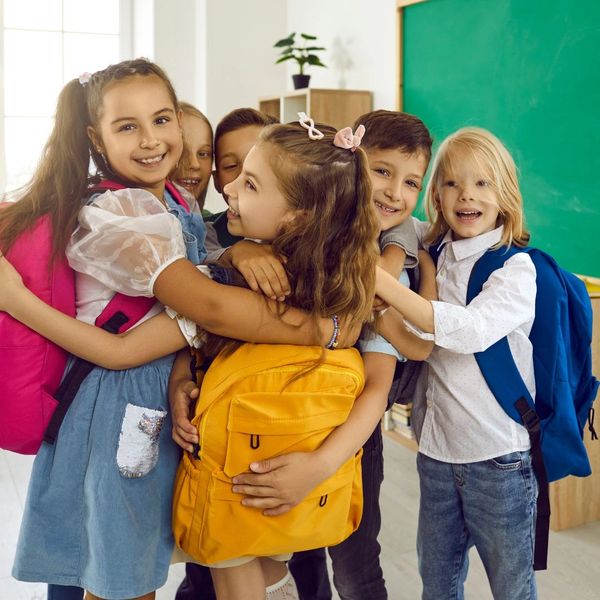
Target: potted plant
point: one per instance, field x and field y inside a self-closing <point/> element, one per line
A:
<point x="302" y="53"/>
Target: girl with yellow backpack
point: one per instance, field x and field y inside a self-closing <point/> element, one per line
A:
<point x="307" y="191"/>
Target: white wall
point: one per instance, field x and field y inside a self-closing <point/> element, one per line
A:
<point x="240" y="53"/>
<point x="220" y="55"/>
<point x="240" y="59"/>
<point x="363" y="32"/>
<point x="180" y="46"/>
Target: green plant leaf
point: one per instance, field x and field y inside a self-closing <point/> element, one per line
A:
<point x="284" y="58"/>
<point x="314" y="60"/>
<point x="314" y="48"/>
<point x="306" y="36"/>
<point x="286" y="41"/>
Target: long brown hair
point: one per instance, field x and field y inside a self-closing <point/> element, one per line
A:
<point x="62" y="177"/>
<point x="330" y="247"/>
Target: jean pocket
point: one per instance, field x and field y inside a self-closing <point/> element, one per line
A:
<point x="137" y="453"/>
<point x="508" y="462"/>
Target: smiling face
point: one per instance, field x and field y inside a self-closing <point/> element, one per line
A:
<point x="397" y="179"/>
<point x="467" y="199"/>
<point x="257" y="208"/>
<point x="139" y="131"/>
<point x="195" y="165"/>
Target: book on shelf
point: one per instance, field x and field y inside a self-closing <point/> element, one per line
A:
<point x="398" y="419"/>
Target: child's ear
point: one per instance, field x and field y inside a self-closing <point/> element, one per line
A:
<point x="95" y="139"/>
<point x="180" y="120"/>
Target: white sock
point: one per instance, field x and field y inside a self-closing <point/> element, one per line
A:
<point x="284" y="589"/>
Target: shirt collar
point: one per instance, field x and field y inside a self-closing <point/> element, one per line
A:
<point x="470" y="246"/>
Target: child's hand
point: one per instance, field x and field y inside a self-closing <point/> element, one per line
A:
<point x="11" y="284"/>
<point x="261" y="269"/>
<point x="280" y="483"/>
<point x="182" y="397"/>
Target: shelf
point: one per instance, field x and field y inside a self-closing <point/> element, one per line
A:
<point x="338" y="108"/>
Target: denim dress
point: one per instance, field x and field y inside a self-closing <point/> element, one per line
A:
<point x="98" y="509"/>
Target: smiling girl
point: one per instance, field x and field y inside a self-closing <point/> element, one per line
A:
<point x="98" y="511"/>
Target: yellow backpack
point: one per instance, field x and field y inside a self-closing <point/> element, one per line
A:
<point x="249" y="410"/>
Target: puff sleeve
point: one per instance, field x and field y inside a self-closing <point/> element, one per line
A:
<point x="124" y="239"/>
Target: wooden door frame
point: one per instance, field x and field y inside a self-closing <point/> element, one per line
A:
<point x="400" y="6"/>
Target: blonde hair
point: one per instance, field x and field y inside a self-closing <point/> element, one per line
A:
<point x="189" y="109"/>
<point x="495" y="163"/>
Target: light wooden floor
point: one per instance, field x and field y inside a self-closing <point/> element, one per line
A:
<point x="574" y="562"/>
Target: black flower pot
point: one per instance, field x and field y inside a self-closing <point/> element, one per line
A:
<point x="300" y="81"/>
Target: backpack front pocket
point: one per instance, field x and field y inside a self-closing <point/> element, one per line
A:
<point x="266" y="424"/>
<point x="211" y="524"/>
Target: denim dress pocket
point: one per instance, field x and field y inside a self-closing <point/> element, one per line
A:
<point x="137" y="453"/>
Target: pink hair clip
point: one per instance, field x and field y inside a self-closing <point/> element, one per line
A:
<point x="309" y="125"/>
<point x="84" y="78"/>
<point x="345" y="138"/>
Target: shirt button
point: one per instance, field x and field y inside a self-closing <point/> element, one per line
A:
<point x="429" y="404"/>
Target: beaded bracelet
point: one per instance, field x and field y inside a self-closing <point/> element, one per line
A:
<point x="333" y="342"/>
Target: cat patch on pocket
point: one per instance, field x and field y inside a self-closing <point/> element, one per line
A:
<point x="137" y="453"/>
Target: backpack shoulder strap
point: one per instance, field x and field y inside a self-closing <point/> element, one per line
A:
<point x="436" y="249"/>
<point x="505" y="383"/>
<point x="500" y="372"/>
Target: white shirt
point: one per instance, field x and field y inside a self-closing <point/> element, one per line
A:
<point x="463" y="421"/>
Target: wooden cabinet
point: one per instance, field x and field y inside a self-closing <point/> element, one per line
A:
<point x="339" y="108"/>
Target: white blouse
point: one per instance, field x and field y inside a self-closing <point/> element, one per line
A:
<point x="123" y="241"/>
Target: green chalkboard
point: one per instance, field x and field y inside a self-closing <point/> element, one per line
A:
<point x="529" y="71"/>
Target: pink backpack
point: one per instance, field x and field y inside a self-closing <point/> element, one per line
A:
<point x="31" y="367"/>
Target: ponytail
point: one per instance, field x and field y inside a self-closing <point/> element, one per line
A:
<point x="61" y="178"/>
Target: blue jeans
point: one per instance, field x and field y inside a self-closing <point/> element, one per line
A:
<point x="489" y="505"/>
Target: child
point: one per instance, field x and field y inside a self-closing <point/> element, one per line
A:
<point x="310" y="194"/>
<point x="477" y="484"/>
<point x="195" y="165"/>
<point x="263" y="212"/>
<point x="118" y="544"/>
<point x="398" y="148"/>
<point x="235" y="134"/>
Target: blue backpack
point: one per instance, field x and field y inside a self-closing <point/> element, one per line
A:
<point x="565" y="387"/>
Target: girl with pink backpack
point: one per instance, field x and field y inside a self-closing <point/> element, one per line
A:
<point x="98" y="511"/>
